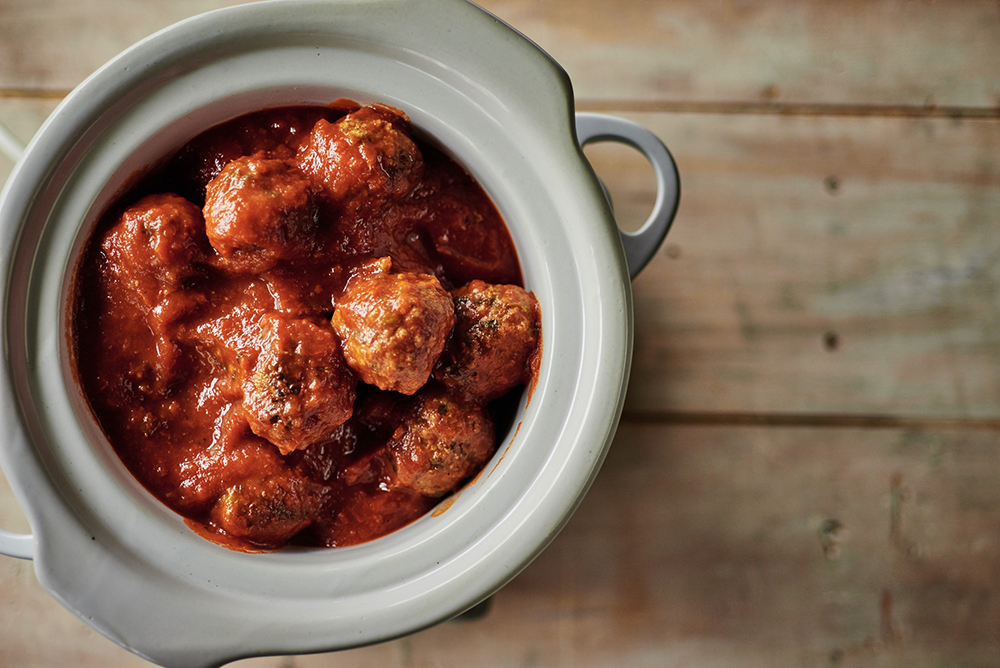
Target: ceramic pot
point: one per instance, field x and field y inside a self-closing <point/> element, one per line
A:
<point x="128" y="566"/>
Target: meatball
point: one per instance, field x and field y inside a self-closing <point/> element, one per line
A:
<point x="155" y="257"/>
<point x="393" y="328"/>
<point x="444" y="440"/>
<point x="368" y="513"/>
<point x="299" y="389"/>
<point x="496" y="335"/>
<point x="267" y="511"/>
<point x="259" y="211"/>
<point x="363" y="160"/>
<point x="158" y="244"/>
<point x="242" y="485"/>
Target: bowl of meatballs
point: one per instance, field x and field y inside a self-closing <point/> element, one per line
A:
<point x="318" y="326"/>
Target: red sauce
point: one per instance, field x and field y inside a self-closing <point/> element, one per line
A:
<point x="309" y="326"/>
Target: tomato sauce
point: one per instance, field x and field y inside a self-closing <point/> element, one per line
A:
<point x="308" y="326"/>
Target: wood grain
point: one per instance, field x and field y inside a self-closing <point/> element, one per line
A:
<point x="707" y="546"/>
<point x="53" y="45"/>
<point x="884" y="52"/>
<point x="820" y="265"/>
<point x="878" y="53"/>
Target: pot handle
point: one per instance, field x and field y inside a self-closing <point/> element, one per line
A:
<point x="20" y="545"/>
<point x="640" y="246"/>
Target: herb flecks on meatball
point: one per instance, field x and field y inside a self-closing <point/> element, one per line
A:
<point x="267" y="511"/>
<point x="248" y="489"/>
<point x="393" y="327"/>
<point x="496" y="334"/>
<point x="444" y="441"/>
<point x="299" y="389"/>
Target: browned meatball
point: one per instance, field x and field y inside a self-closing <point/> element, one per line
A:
<point x="299" y="389"/>
<point x="444" y="441"/>
<point x="242" y="485"/>
<point x="157" y="244"/>
<point x="496" y="334"/>
<point x="259" y="211"/>
<point x="368" y="513"/>
<point x="393" y="327"/>
<point x="364" y="159"/>
<point x="269" y="510"/>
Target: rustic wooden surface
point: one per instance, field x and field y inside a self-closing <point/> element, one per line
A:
<point x="806" y="473"/>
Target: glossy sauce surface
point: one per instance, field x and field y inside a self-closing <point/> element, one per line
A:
<point x="307" y="327"/>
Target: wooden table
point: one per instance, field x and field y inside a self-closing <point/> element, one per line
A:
<point x="806" y="473"/>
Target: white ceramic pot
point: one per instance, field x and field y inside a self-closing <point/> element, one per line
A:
<point x="128" y="566"/>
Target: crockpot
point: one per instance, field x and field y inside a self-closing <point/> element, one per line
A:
<point x="502" y="108"/>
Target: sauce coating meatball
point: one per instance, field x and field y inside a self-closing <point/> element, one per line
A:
<point x="249" y="490"/>
<point x="156" y="253"/>
<point x="393" y="327"/>
<point x="444" y="441"/>
<point x="496" y="334"/>
<point x="364" y="159"/>
<point x="299" y="389"/>
<point x="267" y="511"/>
<point x="157" y="245"/>
<point x="259" y="211"/>
<point x="368" y="513"/>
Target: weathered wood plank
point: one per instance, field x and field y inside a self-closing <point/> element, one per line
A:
<point x="774" y="547"/>
<point x="820" y="265"/>
<point x="882" y="52"/>
<point x="56" y="44"/>
<point x="708" y="546"/>
<point x="876" y="53"/>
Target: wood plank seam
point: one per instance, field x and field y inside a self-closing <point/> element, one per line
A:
<point x="16" y="93"/>
<point x="832" y="420"/>
<point x="689" y="106"/>
<point x="788" y="109"/>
